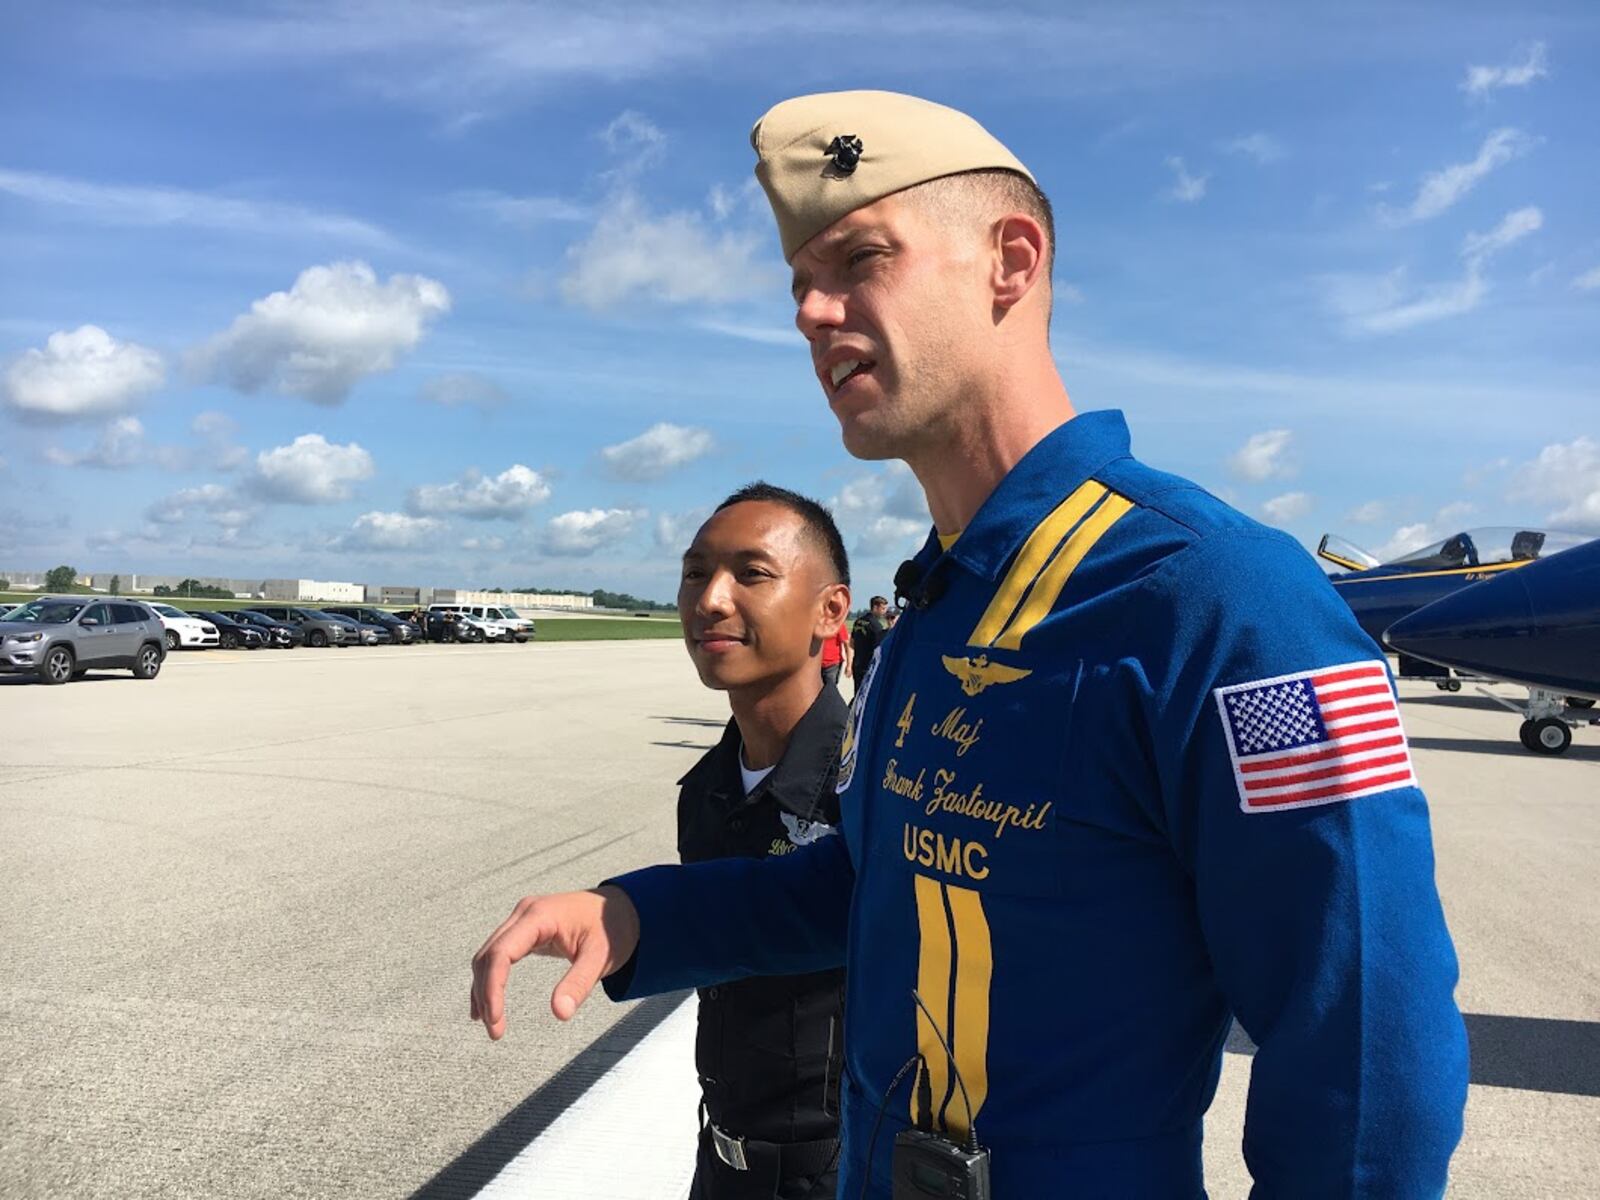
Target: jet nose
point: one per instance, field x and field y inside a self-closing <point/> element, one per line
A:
<point x="1496" y="611"/>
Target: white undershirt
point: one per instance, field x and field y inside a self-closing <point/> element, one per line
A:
<point x="752" y="779"/>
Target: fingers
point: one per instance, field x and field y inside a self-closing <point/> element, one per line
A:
<point x="580" y="978"/>
<point x="521" y="933"/>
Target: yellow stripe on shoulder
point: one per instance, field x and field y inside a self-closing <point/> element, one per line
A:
<point x="1035" y="554"/>
<point x="1047" y="589"/>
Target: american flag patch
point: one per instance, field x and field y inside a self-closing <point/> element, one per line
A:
<point x="1315" y="738"/>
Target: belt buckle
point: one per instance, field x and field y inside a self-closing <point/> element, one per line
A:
<point x="729" y="1149"/>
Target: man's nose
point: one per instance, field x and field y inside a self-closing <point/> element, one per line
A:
<point x="818" y="310"/>
<point x="716" y="599"/>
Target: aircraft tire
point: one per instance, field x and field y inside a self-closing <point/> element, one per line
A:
<point x="1546" y="736"/>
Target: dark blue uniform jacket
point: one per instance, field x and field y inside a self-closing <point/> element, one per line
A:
<point x="1126" y="769"/>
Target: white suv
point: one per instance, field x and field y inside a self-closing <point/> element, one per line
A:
<point x="184" y="630"/>
<point x="498" y="624"/>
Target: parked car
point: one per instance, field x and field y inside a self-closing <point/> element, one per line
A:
<point x="184" y="630"/>
<point x="449" y="626"/>
<point x="320" y="629"/>
<point x="281" y="634"/>
<point x="400" y="632"/>
<point x="59" y="638"/>
<point x="361" y="634"/>
<point x="235" y="635"/>
<point x="517" y="628"/>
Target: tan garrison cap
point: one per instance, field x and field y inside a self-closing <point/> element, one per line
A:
<point x="820" y="157"/>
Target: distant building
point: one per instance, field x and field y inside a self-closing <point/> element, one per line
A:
<point x="326" y="591"/>
<point x="316" y="591"/>
<point x="514" y="599"/>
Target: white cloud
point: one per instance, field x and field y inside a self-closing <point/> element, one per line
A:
<point x="508" y="495"/>
<point x="1290" y="506"/>
<point x="659" y="449"/>
<point x="1262" y="147"/>
<point x="464" y="389"/>
<point x="148" y="207"/>
<point x="767" y="335"/>
<point x="210" y="502"/>
<point x="674" y="531"/>
<point x="575" y="534"/>
<point x="884" y="511"/>
<point x="1406" y="539"/>
<point x="120" y="444"/>
<point x="1588" y="281"/>
<point x="336" y="325"/>
<point x="1565" y="477"/>
<point x="671" y="258"/>
<point x="310" y="470"/>
<point x="891" y="537"/>
<point x="1263" y="456"/>
<point x="484" y="545"/>
<point x="80" y="375"/>
<point x="1367" y="513"/>
<point x="1513" y="227"/>
<point x="379" y="531"/>
<point x="1441" y="189"/>
<point x="1447" y="521"/>
<point x="521" y="212"/>
<point x="892" y="491"/>
<point x="1383" y="305"/>
<point x="634" y="137"/>
<point x="1480" y="81"/>
<point x="1186" y="188"/>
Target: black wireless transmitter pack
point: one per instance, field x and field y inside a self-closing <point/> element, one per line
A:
<point x="926" y="1165"/>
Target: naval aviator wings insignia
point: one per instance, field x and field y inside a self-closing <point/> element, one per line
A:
<point x="978" y="673"/>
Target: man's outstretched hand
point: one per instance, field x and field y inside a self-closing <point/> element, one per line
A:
<point x="596" y="931"/>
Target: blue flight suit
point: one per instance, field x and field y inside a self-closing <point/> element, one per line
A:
<point x="1062" y="829"/>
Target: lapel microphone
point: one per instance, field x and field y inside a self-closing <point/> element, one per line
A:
<point x="915" y="587"/>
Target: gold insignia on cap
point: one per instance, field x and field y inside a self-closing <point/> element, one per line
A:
<point x="813" y="174"/>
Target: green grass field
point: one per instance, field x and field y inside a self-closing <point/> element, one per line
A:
<point x="605" y="629"/>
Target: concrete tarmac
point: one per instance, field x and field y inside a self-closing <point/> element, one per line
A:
<point x="240" y="902"/>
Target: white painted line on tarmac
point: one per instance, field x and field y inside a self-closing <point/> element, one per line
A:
<point x="630" y="1136"/>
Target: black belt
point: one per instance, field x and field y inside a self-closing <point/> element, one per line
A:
<point x="801" y="1158"/>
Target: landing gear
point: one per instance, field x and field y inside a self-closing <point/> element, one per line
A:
<point x="1580" y="702"/>
<point x="1547" y="721"/>
<point x="1448" y="685"/>
<point x="1550" y="735"/>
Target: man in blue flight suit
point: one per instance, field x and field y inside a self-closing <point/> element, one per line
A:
<point x="1125" y="770"/>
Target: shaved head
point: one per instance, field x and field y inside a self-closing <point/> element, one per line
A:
<point x="979" y="198"/>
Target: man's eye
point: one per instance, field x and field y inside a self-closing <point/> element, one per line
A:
<point x="857" y="257"/>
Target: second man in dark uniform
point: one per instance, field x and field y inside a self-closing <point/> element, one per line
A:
<point x="764" y="583"/>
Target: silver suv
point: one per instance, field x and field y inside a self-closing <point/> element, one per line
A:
<point x="59" y="638"/>
<point x="320" y="629"/>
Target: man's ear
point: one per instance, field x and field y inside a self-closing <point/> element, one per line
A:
<point x="1021" y="252"/>
<point x="835" y="608"/>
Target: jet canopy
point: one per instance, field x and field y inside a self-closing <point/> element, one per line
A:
<point x="1485" y="547"/>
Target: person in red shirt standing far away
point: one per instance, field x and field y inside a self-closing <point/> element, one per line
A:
<point x="836" y="655"/>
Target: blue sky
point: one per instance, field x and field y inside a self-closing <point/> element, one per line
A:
<point x="483" y="294"/>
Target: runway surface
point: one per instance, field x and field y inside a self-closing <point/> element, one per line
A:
<point x="240" y="901"/>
